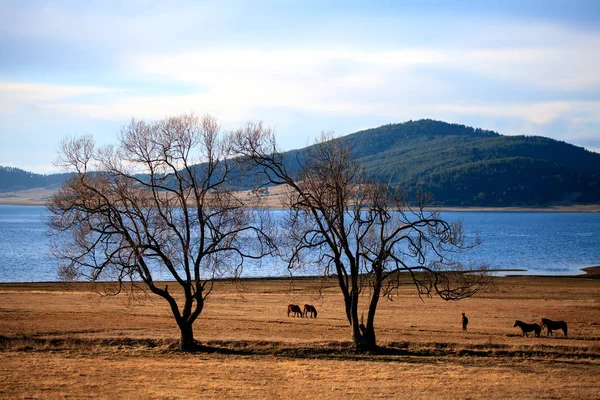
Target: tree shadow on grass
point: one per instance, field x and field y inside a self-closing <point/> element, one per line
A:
<point x="331" y="350"/>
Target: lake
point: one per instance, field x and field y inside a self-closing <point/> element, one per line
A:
<point x="540" y="243"/>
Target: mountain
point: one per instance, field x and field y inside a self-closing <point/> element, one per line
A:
<point x="459" y="165"/>
<point x="463" y="166"/>
<point x="14" y="179"/>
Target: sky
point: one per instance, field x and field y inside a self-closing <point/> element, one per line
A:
<point x="71" y="68"/>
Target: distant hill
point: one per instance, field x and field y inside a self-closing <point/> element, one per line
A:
<point x="14" y="179"/>
<point x="459" y="165"/>
<point x="464" y="166"/>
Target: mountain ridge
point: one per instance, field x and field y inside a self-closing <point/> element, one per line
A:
<point x="463" y="166"/>
<point x="458" y="164"/>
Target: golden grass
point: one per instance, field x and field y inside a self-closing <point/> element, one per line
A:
<point x="29" y="197"/>
<point x="56" y="342"/>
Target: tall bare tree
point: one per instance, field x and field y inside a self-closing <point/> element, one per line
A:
<point x="159" y="202"/>
<point x="364" y="233"/>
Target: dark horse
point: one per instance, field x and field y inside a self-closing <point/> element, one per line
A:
<point x="310" y="309"/>
<point x="295" y="309"/>
<point x="464" y="322"/>
<point x="554" y="326"/>
<point x="528" y="328"/>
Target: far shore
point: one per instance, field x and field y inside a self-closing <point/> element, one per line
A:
<point x="587" y="272"/>
<point x="39" y="197"/>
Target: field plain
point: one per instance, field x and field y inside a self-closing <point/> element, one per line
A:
<point x="40" y="197"/>
<point x="58" y="341"/>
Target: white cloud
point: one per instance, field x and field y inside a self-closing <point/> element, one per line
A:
<point x="14" y="95"/>
<point x="232" y="83"/>
<point x="537" y="113"/>
<point x="345" y="79"/>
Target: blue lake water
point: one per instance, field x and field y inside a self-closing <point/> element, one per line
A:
<point x="541" y="243"/>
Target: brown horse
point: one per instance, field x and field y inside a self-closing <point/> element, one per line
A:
<point x="528" y="328"/>
<point x="554" y="325"/>
<point x="310" y="309"/>
<point x="295" y="309"/>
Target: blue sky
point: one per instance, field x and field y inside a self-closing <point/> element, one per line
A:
<point x="302" y="67"/>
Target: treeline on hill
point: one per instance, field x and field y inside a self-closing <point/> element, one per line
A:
<point x="463" y="166"/>
<point x="459" y="165"/>
<point x="13" y="179"/>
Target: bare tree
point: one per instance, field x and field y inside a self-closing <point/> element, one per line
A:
<point x="365" y="234"/>
<point x="157" y="203"/>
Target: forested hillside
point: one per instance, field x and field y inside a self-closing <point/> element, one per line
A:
<point x="465" y="166"/>
<point x="459" y="165"/>
<point x="13" y="179"/>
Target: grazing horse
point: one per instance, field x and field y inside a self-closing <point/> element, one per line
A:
<point x="554" y="326"/>
<point x="295" y="309"/>
<point x="310" y="309"/>
<point x="528" y="328"/>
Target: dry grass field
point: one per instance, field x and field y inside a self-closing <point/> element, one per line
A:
<point x="275" y="196"/>
<point x="60" y="342"/>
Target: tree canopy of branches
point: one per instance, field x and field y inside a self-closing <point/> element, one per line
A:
<point x="158" y="202"/>
<point x="365" y="234"/>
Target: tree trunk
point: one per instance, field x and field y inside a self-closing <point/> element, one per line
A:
<point x="363" y="336"/>
<point x="187" y="342"/>
<point x="367" y="341"/>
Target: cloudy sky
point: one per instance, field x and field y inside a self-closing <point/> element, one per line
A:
<point x="302" y="67"/>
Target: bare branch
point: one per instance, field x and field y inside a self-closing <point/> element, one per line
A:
<point x="159" y="202"/>
<point x="366" y="233"/>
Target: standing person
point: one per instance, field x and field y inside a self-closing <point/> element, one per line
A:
<point x="465" y="322"/>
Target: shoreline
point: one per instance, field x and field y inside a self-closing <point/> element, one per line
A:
<point x="39" y="197"/>
<point x="576" y="208"/>
<point x="588" y="273"/>
<point x="592" y="272"/>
